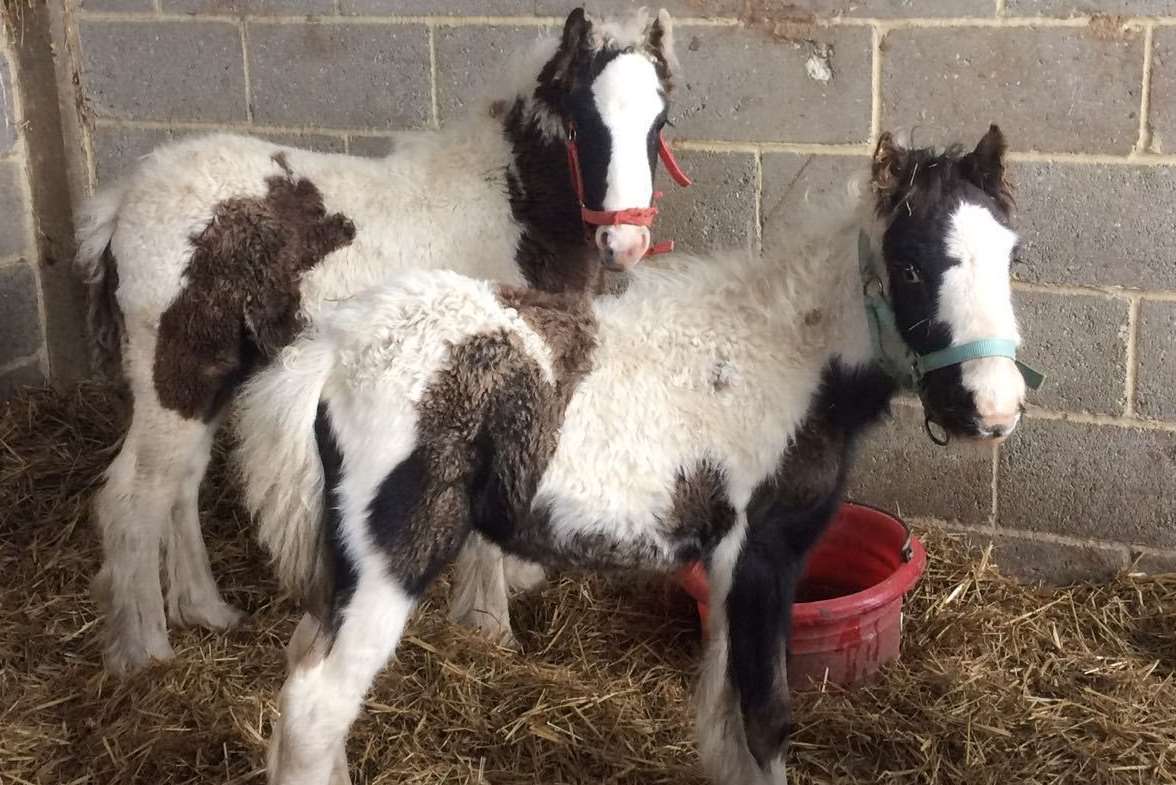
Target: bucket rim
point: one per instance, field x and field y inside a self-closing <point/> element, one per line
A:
<point x="892" y="588"/>
<point x="693" y="579"/>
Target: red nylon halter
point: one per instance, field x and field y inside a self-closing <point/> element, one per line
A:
<point x="631" y="216"/>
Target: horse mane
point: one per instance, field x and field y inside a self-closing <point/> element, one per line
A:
<point x="925" y="176"/>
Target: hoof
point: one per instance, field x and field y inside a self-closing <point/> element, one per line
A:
<point x="215" y="615"/>
<point x="522" y="575"/>
<point x="124" y="656"/>
<point x="489" y="627"/>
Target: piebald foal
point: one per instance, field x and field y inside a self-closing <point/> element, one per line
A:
<point x="709" y="411"/>
<point x="217" y="251"/>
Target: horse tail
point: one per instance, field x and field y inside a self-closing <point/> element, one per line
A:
<point x="98" y="270"/>
<point x="278" y="460"/>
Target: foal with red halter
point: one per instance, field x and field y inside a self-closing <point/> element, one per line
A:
<point x="217" y="252"/>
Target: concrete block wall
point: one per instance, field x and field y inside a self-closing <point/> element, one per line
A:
<point x="24" y="357"/>
<point x="779" y="102"/>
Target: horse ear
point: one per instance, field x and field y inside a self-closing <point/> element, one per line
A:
<point x="886" y="169"/>
<point x="985" y="167"/>
<point x="575" y="39"/>
<point x="559" y="74"/>
<point x="659" y="42"/>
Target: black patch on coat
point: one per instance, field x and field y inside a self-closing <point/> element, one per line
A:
<point x="104" y="316"/>
<point x="343" y="575"/>
<point x="554" y="253"/>
<point x="702" y="513"/>
<point x="786" y="516"/>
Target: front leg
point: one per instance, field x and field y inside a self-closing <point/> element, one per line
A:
<point x="745" y="715"/>
<point x="744" y="708"/>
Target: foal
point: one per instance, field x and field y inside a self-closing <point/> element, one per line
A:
<point x="216" y="252"/>
<point x="709" y="411"/>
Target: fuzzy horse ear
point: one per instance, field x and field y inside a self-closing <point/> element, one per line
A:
<point x="659" y="42"/>
<point x="576" y="36"/>
<point x="985" y="167"/>
<point x="558" y="76"/>
<point x="886" y="169"/>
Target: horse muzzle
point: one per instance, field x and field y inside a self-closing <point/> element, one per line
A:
<point x="622" y="246"/>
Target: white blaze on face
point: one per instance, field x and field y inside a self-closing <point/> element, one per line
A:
<point x="627" y="94"/>
<point x="976" y="301"/>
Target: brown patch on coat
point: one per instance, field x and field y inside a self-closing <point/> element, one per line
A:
<point x="566" y="323"/>
<point x="240" y="298"/>
<point x="487" y="428"/>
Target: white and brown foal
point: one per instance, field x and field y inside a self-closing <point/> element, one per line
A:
<point x="217" y="252"/>
<point x="709" y="411"/>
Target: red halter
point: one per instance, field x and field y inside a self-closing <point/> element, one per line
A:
<point x="632" y="216"/>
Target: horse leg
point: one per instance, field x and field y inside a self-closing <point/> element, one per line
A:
<point x="483" y="580"/>
<point x="192" y="596"/>
<point x="309" y="644"/>
<point x="142" y="484"/>
<point x="480" y="599"/>
<point x="735" y="744"/>
<point x="327" y="682"/>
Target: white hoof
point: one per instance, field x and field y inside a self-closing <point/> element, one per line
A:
<point x="127" y="653"/>
<point x="339" y="774"/>
<point x="213" y="614"/>
<point x="522" y="575"/>
<point x="488" y="626"/>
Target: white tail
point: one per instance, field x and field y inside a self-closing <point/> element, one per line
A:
<point x="278" y="459"/>
<point x="96" y="267"/>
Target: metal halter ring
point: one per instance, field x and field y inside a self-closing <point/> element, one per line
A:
<point x="943" y="440"/>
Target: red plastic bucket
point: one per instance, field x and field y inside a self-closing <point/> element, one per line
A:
<point x="847" y="618"/>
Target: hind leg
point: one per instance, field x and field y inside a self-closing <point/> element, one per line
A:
<point x="192" y="596"/>
<point x="308" y="645"/>
<point x="328" y="678"/>
<point x="483" y="580"/>
<point x="136" y="502"/>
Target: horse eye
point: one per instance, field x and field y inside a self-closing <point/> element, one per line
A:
<point x="910" y="274"/>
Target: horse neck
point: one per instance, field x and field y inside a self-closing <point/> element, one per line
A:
<point x="553" y="252"/>
<point x="809" y="289"/>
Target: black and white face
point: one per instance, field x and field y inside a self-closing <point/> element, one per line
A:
<point x="948" y="249"/>
<point x="615" y="77"/>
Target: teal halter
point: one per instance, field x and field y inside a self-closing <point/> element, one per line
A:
<point x="900" y="362"/>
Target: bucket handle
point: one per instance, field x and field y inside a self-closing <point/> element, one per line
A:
<point x="907" y="550"/>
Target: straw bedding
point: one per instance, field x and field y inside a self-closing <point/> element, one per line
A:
<point x="999" y="683"/>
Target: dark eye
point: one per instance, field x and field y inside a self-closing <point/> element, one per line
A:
<point x="910" y="274"/>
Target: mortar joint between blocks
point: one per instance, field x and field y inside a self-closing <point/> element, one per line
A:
<point x="994" y="513"/>
<point x="1131" y="356"/>
<point x="432" y="35"/>
<point x="877" y="36"/>
<point x="759" y="201"/>
<point x="1144" y="142"/>
<point x="243" y="27"/>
